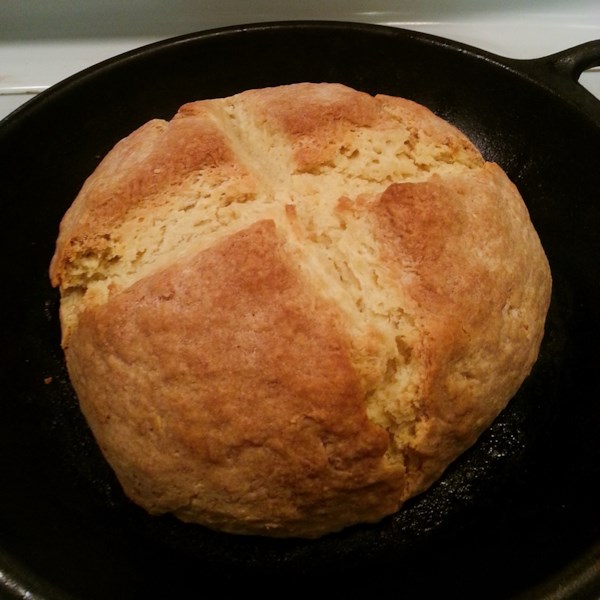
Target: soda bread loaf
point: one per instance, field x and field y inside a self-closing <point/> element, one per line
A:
<point x="287" y="311"/>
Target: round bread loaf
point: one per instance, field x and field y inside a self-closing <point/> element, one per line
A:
<point x="288" y="311"/>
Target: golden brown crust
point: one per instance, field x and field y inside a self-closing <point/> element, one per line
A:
<point x="251" y="397"/>
<point x="287" y="311"/>
<point x="135" y="174"/>
<point x="458" y="245"/>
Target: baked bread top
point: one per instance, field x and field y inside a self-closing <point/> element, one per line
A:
<point x="287" y="311"/>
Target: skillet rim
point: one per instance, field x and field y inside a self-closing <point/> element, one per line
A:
<point x="543" y="70"/>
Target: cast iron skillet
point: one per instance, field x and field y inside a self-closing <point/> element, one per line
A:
<point x="516" y="516"/>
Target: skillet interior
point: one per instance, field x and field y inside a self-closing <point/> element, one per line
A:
<point x="507" y="518"/>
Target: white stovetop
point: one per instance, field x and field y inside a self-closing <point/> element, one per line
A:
<point x="43" y="42"/>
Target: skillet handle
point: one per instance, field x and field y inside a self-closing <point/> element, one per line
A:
<point x="559" y="73"/>
<point x="574" y="61"/>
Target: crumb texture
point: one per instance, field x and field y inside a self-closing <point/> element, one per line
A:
<point x="287" y="311"/>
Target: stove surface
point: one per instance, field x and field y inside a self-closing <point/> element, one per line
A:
<point x="42" y="43"/>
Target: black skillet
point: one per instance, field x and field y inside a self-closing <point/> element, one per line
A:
<point x="516" y="516"/>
